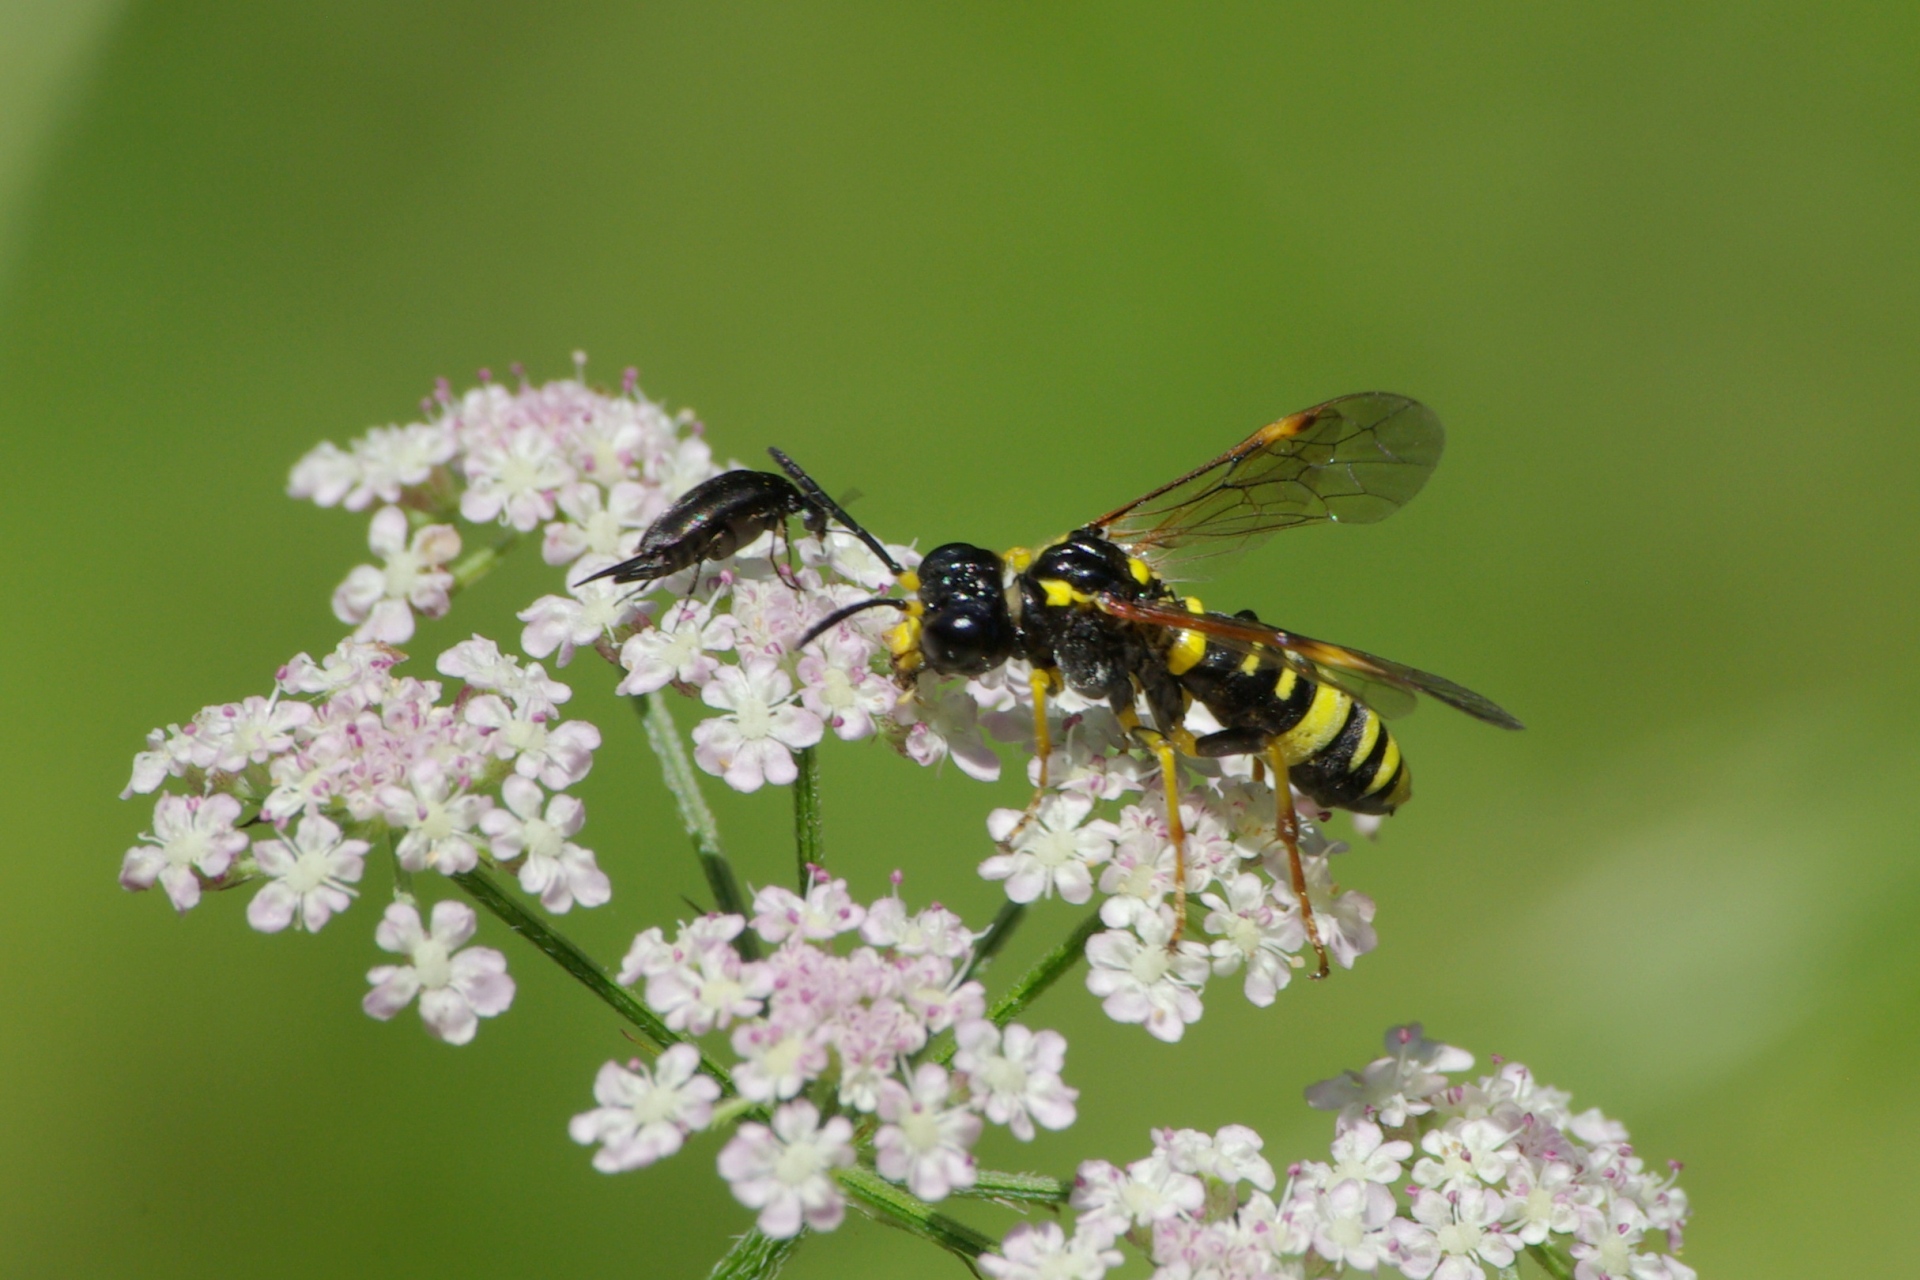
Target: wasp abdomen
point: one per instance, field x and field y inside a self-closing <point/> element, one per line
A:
<point x="1338" y="751"/>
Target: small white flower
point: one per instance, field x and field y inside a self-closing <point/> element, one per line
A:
<point x="1140" y="978"/>
<point x="933" y="932"/>
<point x="193" y="836"/>
<point x="1394" y="1087"/>
<point x="645" y="1115"/>
<point x="480" y="663"/>
<point x="1054" y="853"/>
<point x="1464" y="1154"/>
<point x="357" y="671"/>
<point x="555" y="869"/>
<point x="391" y="459"/>
<point x="754" y="744"/>
<point x="1543" y="1203"/>
<point x="324" y="475"/>
<point x="1114" y="1201"/>
<point x="514" y="481"/>
<point x="1352" y="1225"/>
<point x="456" y="988"/>
<point x="597" y="526"/>
<point x="252" y="731"/>
<point x="827" y="911"/>
<point x="837" y="685"/>
<point x="1452" y="1235"/>
<point x="942" y="722"/>
<point x="558" y="754"/>
<point x="1605" y="1239"/>
<point x="677" y="651"/>
<point x="311" y="876"/>
<point x="778" y="1059"/>
<point x="437" y="820"/>
<point x="1360" y="1153"/>
<point x="382" y="600"/>
<point x="700" y="983"/>
<point x="1231" y="1155"/>
<point x="786" y="1172"/>
<point x="1042" y="1251"/>
<point x="1013" y="1077"/>
<point x="1256" y="933"/>
<point x="923" y="1142"/>
<point x="1345" y="921"/>
<point x="589" y="613"/>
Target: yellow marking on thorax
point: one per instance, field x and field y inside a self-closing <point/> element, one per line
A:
<point x="1060" y="593"/>
<point x="1388" y="763"/>
<point x="1019" y="558"/>
<point x="904" y="639"/>
<point x="1249" y="664"/>
<point x="1283" y="687"/>
<point x="1369" y="735"/>
<point x="1138" y="568"/>
<point x="1321" y="724"/>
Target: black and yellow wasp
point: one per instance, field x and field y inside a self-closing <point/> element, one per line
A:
<point x="1094" y="610"/>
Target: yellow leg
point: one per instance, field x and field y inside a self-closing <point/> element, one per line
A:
<point x="1170" y="784"/>
<point x="1287" y="827"/>
<point x="1042" y="683"/>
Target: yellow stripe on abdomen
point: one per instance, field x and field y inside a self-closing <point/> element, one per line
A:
<point x="1322" y="723"/>
<point x="1188" y="648"/>
<point x="1369" y="734"/>
<point x="1389" y="761"/>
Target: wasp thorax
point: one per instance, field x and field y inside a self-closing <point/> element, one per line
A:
<point x="965" y="629"/>
<point x="1087" y="563"/>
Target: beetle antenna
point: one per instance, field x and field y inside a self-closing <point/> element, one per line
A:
<point x="840" y="615"/>
<point x="818" y="496"/>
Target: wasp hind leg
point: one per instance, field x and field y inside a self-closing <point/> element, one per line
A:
<point x="1287" y="826"/>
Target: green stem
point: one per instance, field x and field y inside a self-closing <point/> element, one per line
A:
<point x="1005" y="921"/>
<point x="1016" y="1188"/>
<point x="402" y="878"/>
<point x="563" y="951"/>
<point x="695" y="816"/>
<point x="479" y="562"/>
<point x="1046" y="971"/>
<point x="1551" y="1260"/>
<point x="898" y="1207"/>
<point x="806" y="817"/>
<point x="1032" y="984"/>
<point x="755" y="1257"/>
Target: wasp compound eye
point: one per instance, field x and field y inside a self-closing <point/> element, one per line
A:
<point x="966" y="641"/>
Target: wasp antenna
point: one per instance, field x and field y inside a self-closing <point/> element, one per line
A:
<point x="839" y="616"/>
<point x="818" y="496"/>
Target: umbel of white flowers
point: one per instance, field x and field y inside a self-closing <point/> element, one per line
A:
<point x="862" y="1043"/>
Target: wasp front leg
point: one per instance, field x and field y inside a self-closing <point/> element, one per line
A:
<point x="1042" y="682"/>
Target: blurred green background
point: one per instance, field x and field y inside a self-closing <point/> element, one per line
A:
<point x="999" y="266"/>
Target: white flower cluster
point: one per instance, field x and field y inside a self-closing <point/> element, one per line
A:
<point x="858" y="1021"/>
<point x="595" y="469"/>
<point x="1236" y="870"/>
<point x="345" y="745"/>
<point x="1504" y="1165"/>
